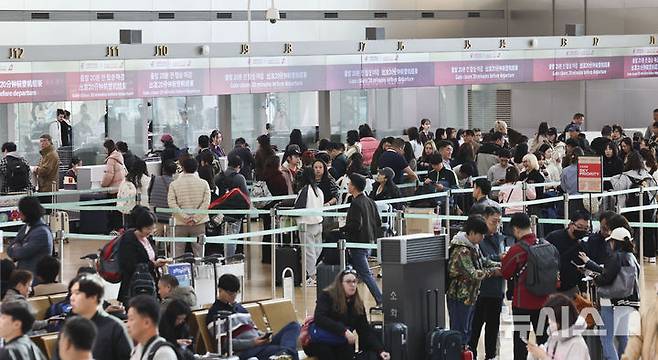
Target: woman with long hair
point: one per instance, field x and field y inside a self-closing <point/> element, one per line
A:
<point x="439" y="134"/>
<point x="355" y="165"/>
<point x="297" y="139"/>
<point x="310" y="197"/>
<point x="636" y="175"/>
<point x="616" y="312"/>
<point x="339" y="314"/>
<point x="425" y="132"/>
<point x="173" y="327"/>
<point x="383" y="146"/>
<point x="625" y="148"/>
<point x="541" y="137"/>
<point x="414" y="140"/>
<point x="277" y="185"/>
<point x="325" y="182"/>
<point x="137" y="180"/>
<point x="353" y="145"/>
<point x="423" y="161"/>
<point x="263" y="153"/>
<point x="409" y="155"/>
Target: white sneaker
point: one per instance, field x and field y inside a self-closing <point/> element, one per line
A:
<point x="652" y="260"/>
<point x="311" y="282"/>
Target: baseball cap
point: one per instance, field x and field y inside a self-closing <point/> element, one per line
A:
<point x="386" y="172"/>
<point x="293" y="150"/>
<point x="166" y="138"/>
<point x="620" y="234"/>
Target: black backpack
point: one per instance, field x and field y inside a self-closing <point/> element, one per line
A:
<point x="18" y="174"/>
<point x="142" y="283"/>
<point x="633" y="199"/>
<point x="162" y="343"/>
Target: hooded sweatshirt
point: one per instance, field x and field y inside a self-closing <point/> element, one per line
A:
<point x="466" y="269"/>
<point x="567" y="343"/>
<point x="185" y="294"/>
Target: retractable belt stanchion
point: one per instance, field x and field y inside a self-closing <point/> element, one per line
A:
<point x="533" y="223"/>
<point x="60" y="238"/>
<point x="272" y="252"/>
<point x="641" y="260"/>
<point x="447" y="205"/>
<point x="342" y="248"/>
<point x="201" y="240"/>
<point x="566" y="208"/>
<point x="247" y="250"/>
<point x="302" y="229"/>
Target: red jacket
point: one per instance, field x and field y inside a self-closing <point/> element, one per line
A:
<point x="512" y="263"/>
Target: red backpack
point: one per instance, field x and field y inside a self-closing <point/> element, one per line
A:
<point x="108" y="261"/>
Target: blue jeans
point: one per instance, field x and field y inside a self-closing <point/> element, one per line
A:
<point x="610" y="352"/>
<point x="284" y="340"/>
<point x="461" y="318"/>
<point x="359" y="260"/>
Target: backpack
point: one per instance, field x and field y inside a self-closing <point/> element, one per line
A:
<point x="633" y="199"/>
<point x="142" y="283"/>
<point x="18" y="175"/>
<point x="542" y="267"/>
<point x="158" y="345"/>
<point x="108" y="261"/>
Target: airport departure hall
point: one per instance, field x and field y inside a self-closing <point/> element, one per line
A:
<point x="328" y="180"/>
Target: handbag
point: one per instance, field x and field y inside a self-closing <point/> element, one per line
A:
<point x="319" y="335"/>
<point x="625" y="282"/>
<point x="260" y="190"/>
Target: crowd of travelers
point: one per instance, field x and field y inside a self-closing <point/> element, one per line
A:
<point x="488" y="261"/>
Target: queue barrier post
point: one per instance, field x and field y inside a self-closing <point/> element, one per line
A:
<point x="302" y="240"/>
<point x="533" y="223"/>
<point x="524" y="188"/>
<point x="171" y="231"/>
<point x="342" y="248"/>
<point x="399" y="216"/>
<point x="247" y="249"/>
<point x="60" y="238"/>
<point x="566" y="207"/>
<point x="272" y="252"/>
<point x="201" y="240"/>
<point x="642" y="228"/>
<point x="447" y="210"/>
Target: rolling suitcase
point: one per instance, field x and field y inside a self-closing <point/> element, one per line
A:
<point x="325" y="275"/>
<point x="288" y="257"/>
<point x="441" y="344"/>
<point x="395" y="340"/>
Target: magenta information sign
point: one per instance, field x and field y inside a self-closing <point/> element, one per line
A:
<point x="482" y="71"/>
<point x="180" y="77"/>
<point x="582" y="68"/>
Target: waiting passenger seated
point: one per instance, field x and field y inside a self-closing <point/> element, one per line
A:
<point x="20" y="284"/>
<point x="46" y="275"/>
<point x="86" y="295"/>
<point x="34" y="240"/>
<point x="169" y="290"/>
<point x="15" y="322"/>
<point x="340" y="315"/>
<point x="248" y="341"/>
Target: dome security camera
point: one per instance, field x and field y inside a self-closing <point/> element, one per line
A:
<point x="273" y="15"/>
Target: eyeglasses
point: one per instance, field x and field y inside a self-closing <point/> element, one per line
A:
<point x="350" y="282"/>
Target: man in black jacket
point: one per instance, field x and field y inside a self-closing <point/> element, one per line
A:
<point x="15" y="321"/>
<point x="248" y="162"/>
<point x="568" y="243"/>
<point x="597" y="247"/>
<point x="113" y="342"/>
<point x="363" y="225"/>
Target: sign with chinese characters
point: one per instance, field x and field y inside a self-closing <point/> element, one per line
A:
<point x="590" y="174"/>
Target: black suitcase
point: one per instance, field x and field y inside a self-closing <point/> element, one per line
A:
<point x="325" y="275"/>
<point x="94" y="222"/>
<point x="441" y="344"/>
<point x="288" y="257"/>
<point x="395" y="340"/>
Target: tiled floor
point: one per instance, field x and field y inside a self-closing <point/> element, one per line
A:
<point x="259" y="285"/>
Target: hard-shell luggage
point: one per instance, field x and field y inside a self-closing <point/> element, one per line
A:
<point x="395" y="340"/>
<point x="325" y="275"/>
<point x="441" y="344"/>
<point x="288" y="257"/>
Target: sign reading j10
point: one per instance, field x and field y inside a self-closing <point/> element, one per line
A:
<point x="18" y="84"/>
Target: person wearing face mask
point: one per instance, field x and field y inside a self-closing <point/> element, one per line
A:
<point x="568" y="243"/>
<point x="565" y="340"/>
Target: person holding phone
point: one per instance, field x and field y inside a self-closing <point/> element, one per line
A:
<point x="173" y="326"/>
<point x="248" y="341"/>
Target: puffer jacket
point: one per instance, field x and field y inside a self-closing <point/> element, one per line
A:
<point x="567" y="343"/>
<point x="644" y="345"/>
<point x="466" y="269"/>
<point x="623" y="182"/>
<point x="128" y="190"/>
<point x="21" y="348"/>
<point x="158" y="192"/>
<point x="48" y="170"/>
<point x="115" y="171"/>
